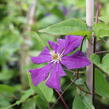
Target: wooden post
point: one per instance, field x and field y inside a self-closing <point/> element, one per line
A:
<point x="24" y="52"/>
<point x="89" y="13"/>
<point x="90" y="45"/>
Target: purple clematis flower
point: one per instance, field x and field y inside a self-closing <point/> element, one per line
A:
<point x="53" y="71"/>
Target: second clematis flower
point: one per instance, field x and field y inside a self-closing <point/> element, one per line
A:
<point x="53" y="71"/>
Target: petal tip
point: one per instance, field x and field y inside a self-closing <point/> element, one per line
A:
<point x="55" y="88"/>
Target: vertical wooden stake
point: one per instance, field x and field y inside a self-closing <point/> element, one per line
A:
<point x="89" y="13"/>
<point x="24" y="52"/>
<point x="90" y="44"/>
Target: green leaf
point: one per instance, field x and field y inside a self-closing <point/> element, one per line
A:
<point x="29" y="80"/>
<point x="25" y="96"/>
<point x="70" y="26"/>
<point x="6" y="76"/>
<point x="30" y="103"/>
<point x="79" y="81"/>
<point x="101" y="30"/>
<point x="78" y="103"/>
<point x="7" y="88"/>
<point x="104" y="65"/>
<point x="56" y="11"/>
<point x="4" y="102"/>
<point x="38" y="38"/>
<point x="44" y="92"/>
<point x="104" y="18"/>
<point x="87" y="100"/>
<point x="46" y="21"/>
<point x="41" y="104"/>
<point x="95" y="59"/>
<point x="101" y="84"/>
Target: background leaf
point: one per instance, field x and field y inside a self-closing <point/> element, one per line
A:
<point x="70" y="26"/>
<point x="87" y="100"/>
<point x="101" y="30"/>
<point x="25" y="95"/>
<point x="104" y="65"/>
<point x="101" y="84"/>
<point x="78" y="103"/>
<point x="30" y="103"/>
<point x="7" y="88"/>
<point x="42" y="90"/>
<point x="104" y="18"/>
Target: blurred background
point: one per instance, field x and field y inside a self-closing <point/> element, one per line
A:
<point x="19" y="22"/>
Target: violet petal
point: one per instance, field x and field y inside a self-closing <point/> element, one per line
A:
<point x="40" y="74"/>
<point x="43" y="57"/>
<point x="54" y="79"/>
<point x="61" y="45"/>
<point x="58" y="68"/>
<point x="77" y="60"/>
<point x="72" y="42"/>
<point x="53" y="45"/>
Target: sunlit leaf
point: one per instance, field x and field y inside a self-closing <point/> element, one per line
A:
<point x="25" y="96"/>
<point x="7" y="88"/>
<point x="87" y="100"/>
<point x="101" y="30"/>
<point x="44" y="92"/>
<point x="101" y="84"/>
<point x="30" y="103"/>
<point x="78" y="103"/>
<point x="104" y="18"/>
<point x="104" y="65"/>
<point x="70" y="26"/>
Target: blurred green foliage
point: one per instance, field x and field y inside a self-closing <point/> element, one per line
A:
<point x="13" y="19"/>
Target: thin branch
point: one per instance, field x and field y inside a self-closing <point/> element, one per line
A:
<point x="84" y="90"/>
<point x="82" y="42"/>
<point x="98" y="6"/>
<point x="63" y="93"/>
<point x="11" y="97"/>
<point x="101" y="70"/>
<point x="87" y="92"/>
<point x="97" y="20"/>
<point x="69" y="70"/>
<point x="101" y="52"/>
<point x="62" y="99"/>
<point x="10" y="106"/>
<point x="77" y="74"/>
<point x="90" y="68"/>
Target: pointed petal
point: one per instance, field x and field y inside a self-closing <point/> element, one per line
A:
<point x="54" y="81"/>
<point x="59" y="69"/>
<point x="43" y="57"/>
<point x="61" y="45"/>
<point x="55" y="76"/>
<point x="53" y="45"/>
<point x="72" y="42"/>
<point x="40" y="74"/>
<point x="77" y="60"/>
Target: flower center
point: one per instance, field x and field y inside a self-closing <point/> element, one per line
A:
<point x="56" y="57"/>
